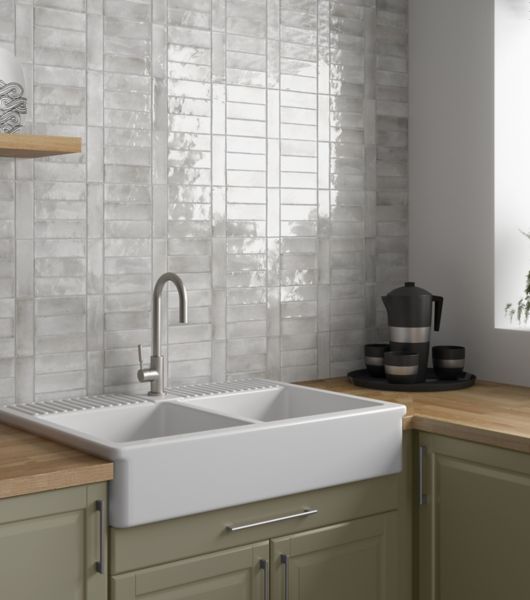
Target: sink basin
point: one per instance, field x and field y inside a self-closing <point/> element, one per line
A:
<point x="142" y="422"/>
<point x="282" y="403"/>
<point x="205" y="447"/>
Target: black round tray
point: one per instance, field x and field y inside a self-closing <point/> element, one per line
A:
<point x="363" y="379"/>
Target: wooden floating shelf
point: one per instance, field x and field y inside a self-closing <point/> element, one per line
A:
<point x="35" y="146"/>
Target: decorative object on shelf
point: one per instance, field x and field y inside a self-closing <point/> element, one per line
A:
<point x="431" y="384"/>
<point x="448" y="361"/>
<point x="521" y="309"/>
<point x="13" y="104"/>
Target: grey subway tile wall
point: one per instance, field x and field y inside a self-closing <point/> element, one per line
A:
<point x="256" y="147"/>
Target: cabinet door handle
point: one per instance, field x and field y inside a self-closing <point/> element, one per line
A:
<point x="305" y="513"/>
<point x="284" y="558"/>
<point x="264" y="566"/>
<point x="422" y="498"/>
<point x="100" y="564"/>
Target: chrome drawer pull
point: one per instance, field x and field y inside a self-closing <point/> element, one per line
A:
<point x="305" y="513"/>
<point x="264" y="566"/>
<point x="284" y="559"/>
<point x="100" y="564"/>
<point x="422" y="498"/>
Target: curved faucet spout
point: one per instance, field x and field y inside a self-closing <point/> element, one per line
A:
<point x="155" y="373"/>
<point x="157" y="306"/>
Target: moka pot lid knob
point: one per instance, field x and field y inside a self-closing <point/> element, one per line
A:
<point x="409" y="289"/>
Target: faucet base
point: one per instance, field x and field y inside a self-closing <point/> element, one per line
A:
<point x="155" y="376"/>
<point x="158" y="384"/>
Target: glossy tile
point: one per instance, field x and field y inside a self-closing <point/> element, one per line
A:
<point x="277" y="187"/>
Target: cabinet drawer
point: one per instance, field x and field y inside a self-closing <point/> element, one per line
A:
<point x="168" y="541"/>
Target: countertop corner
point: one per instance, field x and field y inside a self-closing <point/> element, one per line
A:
<point x="31" y="464"/>
<point x="491" y="413"/>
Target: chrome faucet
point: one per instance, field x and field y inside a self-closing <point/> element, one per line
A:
<point x="155" y="372"/>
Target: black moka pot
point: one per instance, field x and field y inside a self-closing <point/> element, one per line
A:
<point x="409" y="311"/>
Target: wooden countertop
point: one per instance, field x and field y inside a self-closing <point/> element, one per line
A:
<point x="30" y="464"/>
<point x="488" y="413"/>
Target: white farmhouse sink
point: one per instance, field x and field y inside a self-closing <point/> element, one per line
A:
<point x="278" y="403"/>
<point x="206" y="447"/>
<point x="141" y="422"/>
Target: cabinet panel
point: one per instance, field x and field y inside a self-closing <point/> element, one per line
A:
<point x="96" y="542"/>
<point x="347" y="561"/>
<point x="407" y="522"/>
<point x="50" y="553"/>
<point x="43" y="557"/>
<point x="475" y="526"/>
<point x="236" y="574"/>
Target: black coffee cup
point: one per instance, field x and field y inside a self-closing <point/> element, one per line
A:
<point x="448" y="361"/>
<point x="401" y="367"/>
<point x="374" y="359"/>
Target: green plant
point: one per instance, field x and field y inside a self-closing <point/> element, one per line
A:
<point x="521" y="309"/>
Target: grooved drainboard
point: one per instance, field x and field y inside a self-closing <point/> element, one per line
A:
<point x="197" y="390"/>
<point x="66" y="405"/>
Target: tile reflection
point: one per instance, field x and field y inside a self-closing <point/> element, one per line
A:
<point x="259" y="147"/>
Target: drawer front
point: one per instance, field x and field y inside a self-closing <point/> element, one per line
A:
<point x="168" y="541"/>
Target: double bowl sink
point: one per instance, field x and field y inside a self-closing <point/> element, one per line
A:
<point x="205" y="447"/>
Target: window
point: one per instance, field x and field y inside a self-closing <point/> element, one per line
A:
<point x="512" y="164"/>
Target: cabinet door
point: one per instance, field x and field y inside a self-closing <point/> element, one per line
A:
<point x="356" y="560"/>
<point x="474" y="522"/>
<point x="49" y="545"/>
<point x="236" y="574"/>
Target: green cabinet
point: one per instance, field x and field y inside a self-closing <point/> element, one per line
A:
<point x="474" y="521"/>
<point x="348" y="542"/>
<point x="346" y="561"/>
<point x="234" y="574"/>
<point x="51" y="546"/>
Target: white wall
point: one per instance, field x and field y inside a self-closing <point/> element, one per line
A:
<point x="452" y="180"/>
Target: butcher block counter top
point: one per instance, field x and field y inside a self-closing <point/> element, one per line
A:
<point x="488" y="413"/>
<point x="30" y="464"/>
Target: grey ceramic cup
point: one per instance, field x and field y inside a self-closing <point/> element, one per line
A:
<point x="374" y="359"/>
<point x="401" y="367"/>
<point x="448" y="361"/>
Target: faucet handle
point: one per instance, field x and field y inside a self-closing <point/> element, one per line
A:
<point x="149" y="374"/>
<point x="140" y="356"/>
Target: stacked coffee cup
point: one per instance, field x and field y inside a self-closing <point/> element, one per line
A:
<point x="403" y="367"/>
